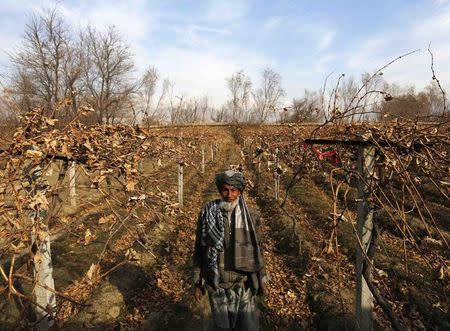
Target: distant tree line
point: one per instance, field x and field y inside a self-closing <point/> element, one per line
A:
<point x="64" y="71"/>
<point x="60" y="70"/>
<point x="370" y="99"/>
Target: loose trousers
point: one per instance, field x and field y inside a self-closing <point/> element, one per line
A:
<point x="234" y="309"/>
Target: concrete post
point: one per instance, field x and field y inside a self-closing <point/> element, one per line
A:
<point x="203" y="159"/>
<point x="277" y="177"/>
<point x="40" y="236"/>
<point x="364" y="298"/>
<point x="72" y="184"/>
<point x="180" y="182"/>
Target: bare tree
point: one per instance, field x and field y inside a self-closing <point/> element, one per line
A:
<point x="47" y="67"/>
<point x="436" y="98"/>
<point x="153" y="113"/>
<point x="148" y="87"/>
<point x="72" y="74"/>
<point x="194" y="110"/>
<point x="7" y="108"/>
<point x="267" y="97"/>
<point x="346" y="92"/>
<point x="305" y="109"/>
<point x="221" y="115"/>
<point x="184" y="109"/>
<point x="175" y="105"/>
<point x="409" y="105"/>
<point x="205" y="108"/>
<point x="240" y="88"/>
<point x="357" y="101"/>
<point x="372" y="97"/>
<point x="22" y="94"/>
<point x="108" y="65"/>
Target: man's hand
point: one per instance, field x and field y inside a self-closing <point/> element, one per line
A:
<point x="198" y="293"/>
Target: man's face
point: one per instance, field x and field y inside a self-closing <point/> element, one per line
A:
<point x="229" y="193"/>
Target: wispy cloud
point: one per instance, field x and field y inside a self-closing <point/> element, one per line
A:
<point x="227" y="11"/>
<point x="194" y="35"/>
<point x="319" y="33"/>
<point x="323" y="63"/>
<point x="272" y="23"/>
<point x="442" y="2"/>
<point x="368" y="52"/>
<point x="326" y="39"/>
<point x="415" y="69"/>
<point x="133" y="21"/>
<point x="436" y="27"/>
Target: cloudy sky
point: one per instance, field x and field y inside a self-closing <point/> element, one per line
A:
<point x="197" y="44"/>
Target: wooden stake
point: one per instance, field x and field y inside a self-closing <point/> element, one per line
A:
<point x="43" y="268"/>
<point x="364" y="298"/>
<point x="43" y="274"/>
<point x="72" y="184"/>
<point x="180" y="182"/>
<point x="203" y="159"/>
<point x="258" y="170"/>
<point x="259" y="164"/>
<point x="277" y="177"/>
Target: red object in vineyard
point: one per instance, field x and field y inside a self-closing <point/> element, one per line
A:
<point x="330" y="155"/>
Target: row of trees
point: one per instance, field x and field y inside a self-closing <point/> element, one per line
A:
<point x="248" y="105"/>
<point x="371" y="98"/>
<point x="60" y="70"/>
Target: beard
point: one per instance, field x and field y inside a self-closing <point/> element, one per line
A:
<point x="228" y="206"/>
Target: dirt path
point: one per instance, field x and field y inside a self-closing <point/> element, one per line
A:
<point x="167" y="303"/>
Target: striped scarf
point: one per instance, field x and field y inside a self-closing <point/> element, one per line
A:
<point x="247" y="257"/>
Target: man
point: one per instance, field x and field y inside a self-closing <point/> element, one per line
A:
<point x="227" y="256"/>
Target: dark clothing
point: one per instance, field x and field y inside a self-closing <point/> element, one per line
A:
<point x="234" y="308"/>
<point x="233" y="301"/>
<point x="231" y="177"/>
<point x="228" y="275"/>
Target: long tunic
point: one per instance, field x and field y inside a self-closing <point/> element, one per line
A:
<point x="228" y="275"/>
<point x="234" y="303"/>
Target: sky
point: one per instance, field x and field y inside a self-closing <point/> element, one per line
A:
<point x="198" y="44"/>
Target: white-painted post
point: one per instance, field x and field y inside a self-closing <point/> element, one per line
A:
<point x="364" y="298"/>
<point x="213" y="147"/>
<point x="203" y="159"/>
<point x="258" y="174"/>
<point x="259" y="164"/>
<point x="43" y="268"/>
<point x="43" y="274"/>
<point x="180" y="182"/>
<point x="277" y="177"/>
<point x="72" y="184"/>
